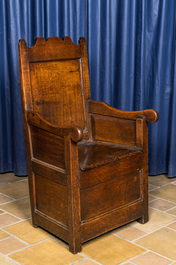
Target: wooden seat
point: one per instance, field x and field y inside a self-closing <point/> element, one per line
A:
<point x="87" y="162"/>
<point x="95" y="154"/>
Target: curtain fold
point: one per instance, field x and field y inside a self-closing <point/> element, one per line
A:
<point x="131" y="50"/>
<point x="159" y="86"/>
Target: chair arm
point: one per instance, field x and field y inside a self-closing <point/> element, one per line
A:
<point x="101" y="108"/>
<point x="38" y="120"/>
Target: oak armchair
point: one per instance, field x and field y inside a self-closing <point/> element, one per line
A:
<point x="87" y="162"/>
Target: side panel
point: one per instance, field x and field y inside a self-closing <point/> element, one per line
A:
<point x="111" y="220"/>
<point x="47" y="147"/>
<point x="51" y="199"/>
<point x="49" y="178"/>
<point x="115" y="130"/>
<point x="109" y="195"/>
<point x="110" y="171"/>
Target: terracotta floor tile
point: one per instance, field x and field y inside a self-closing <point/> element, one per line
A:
<point x="3" y="235"/>
<point x="110" y="249"/>
<point x="172" y="211"/>
<point x="4" y="199"/>
<point x="157" y="219"/>
<point x="162" y="241"/>
<point x="16" y="190"/>
<point x="7" y="219"/>
<point x="128" y="263"/>
<point x="160" y="180"/>
<point x="160" y="204"/>
<point x="152" y="187"/>
<point x="63" y="243"/>
<point x="173" y="226"/>
<point x="129" y="232"/>
<point x="10" y="245"/>
<point x="6" y="261"/>
<point x="26" y="232"/>
<point x="86" y="262"/>
<point x="8" y="178"/>
<point x="151" y="258"/>
<point x="36" y="255"/>
<point x="167" y="192"/>
<point x="151" y="198"/>
<point x="20" y="208"/>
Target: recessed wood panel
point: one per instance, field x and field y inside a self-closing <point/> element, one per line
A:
<point x="51" y="199"/>
<point x="109" y="195"/>
<point x="114" y="129"/>
<point x="111" y="170"/>
<point x="48" y="171"/>
<point x="48" y="147"/>
<point x="57" y="91"/>
<point x="111" y="220"/>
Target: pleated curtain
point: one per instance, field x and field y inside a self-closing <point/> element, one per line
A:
<point x="131" y="51"/>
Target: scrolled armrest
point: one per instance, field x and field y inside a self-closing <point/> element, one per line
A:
<point x="101" y="108"/>
<point x="38" y="120"/>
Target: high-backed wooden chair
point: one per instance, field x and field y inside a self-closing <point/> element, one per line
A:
<point x="87" y="162"/>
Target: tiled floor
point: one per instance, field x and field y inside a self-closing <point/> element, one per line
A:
<point x="150" y="244"/>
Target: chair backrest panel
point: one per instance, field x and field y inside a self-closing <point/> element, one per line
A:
<point x="57" y="91"/>
<point x="58" y="86"/>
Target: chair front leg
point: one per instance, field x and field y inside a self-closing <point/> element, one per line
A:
<point x="142" y="141"/>
<point x="73" y="188"/>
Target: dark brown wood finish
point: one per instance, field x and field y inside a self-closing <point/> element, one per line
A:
<point x="87" y="162"/>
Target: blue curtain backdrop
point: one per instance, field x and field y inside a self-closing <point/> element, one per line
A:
<point x="131" y="48"/>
